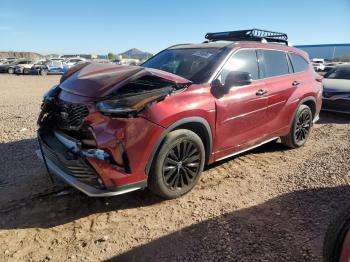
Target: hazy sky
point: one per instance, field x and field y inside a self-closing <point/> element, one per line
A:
<point x="83" y="26"/>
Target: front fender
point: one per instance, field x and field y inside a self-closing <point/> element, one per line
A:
<point x="175" y="125"/>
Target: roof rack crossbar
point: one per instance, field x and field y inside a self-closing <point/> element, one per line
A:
<point x="248" y="35"/>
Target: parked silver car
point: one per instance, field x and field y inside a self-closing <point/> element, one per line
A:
<point x="336" y="90"/>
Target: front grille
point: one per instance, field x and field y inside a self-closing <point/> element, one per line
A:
<point x="68" y="162"/>
<point x="72" y="115"/>
<point x="64" y="115"/>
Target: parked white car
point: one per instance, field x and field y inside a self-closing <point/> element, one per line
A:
<point x="318" y="64"/>
<point x="73" y="61"/>
<point x="24" y="66"/>
<point x="57" y="59"/>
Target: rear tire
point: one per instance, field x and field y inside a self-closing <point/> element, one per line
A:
<point x="178" y="164"/>
<point x="300" y="129"/>
<point x="26" y="71"/>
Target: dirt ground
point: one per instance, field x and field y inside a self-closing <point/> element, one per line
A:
<point x="270" y="204"/>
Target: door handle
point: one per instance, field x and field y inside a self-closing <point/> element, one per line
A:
<point x="295" y="83"/>
<point x="261" y="92"/>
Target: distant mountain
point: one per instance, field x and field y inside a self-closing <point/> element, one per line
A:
<point x="136" y="54"/>
<point x="27" y="55"/>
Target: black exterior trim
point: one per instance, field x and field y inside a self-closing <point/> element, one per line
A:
<point x="187" y="120"/>
<point x="305" y="99"/>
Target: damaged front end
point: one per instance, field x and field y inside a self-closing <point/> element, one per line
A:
<point x="131" y="102"/>
<point x="90" y="133"/>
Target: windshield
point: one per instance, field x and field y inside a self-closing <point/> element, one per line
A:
<point x="195" y="64"/>
<point x="339" y="73"/>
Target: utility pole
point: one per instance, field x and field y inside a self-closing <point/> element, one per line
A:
<point x="333" y="53"/>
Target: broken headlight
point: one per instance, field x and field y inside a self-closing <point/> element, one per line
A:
<point x="132" y="103"/>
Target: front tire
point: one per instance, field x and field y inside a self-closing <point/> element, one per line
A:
<point x="178" y="164"/>
<point x="26" y="71"/>
<point x="11" y="71"/>
<point x="300" y="130"/>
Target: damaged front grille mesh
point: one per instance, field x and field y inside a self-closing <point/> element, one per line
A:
<point x="68" y="162"/>
<point x="64" y="115"/>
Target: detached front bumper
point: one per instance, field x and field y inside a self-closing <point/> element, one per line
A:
<point x="65" y="161"/>
<point x="85" y="188"/>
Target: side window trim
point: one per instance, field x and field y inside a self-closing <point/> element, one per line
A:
<point x="260" y="73"/>
<point x="261" y="64"/>
<point x="290" y="64"/>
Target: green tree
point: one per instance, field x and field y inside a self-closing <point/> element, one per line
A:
<point x="111" y="56"/>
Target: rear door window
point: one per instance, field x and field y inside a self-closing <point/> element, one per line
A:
<point x="243" y="61"/>
<point x="273" y="63"/>
<point x="299" y="63"/>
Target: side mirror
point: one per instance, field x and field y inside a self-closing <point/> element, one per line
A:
<point x="237" y="78"/>
<point x="216" y="84"/>
<point x="218" y="89"/>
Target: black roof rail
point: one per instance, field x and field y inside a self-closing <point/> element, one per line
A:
<point x="249" y="35"/>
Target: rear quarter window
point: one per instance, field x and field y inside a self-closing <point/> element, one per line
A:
<point x="299" y="63"/>
<point x="274" y="63"/>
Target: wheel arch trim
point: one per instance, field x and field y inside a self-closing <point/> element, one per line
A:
<point x="301" y="102"/>
<point x="187" y="120"/>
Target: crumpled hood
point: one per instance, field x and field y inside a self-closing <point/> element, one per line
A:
<point x="98" y="80"/>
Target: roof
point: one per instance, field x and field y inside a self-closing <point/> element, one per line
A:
<point x="241" y="44"/>
<point x="218" y="44"/>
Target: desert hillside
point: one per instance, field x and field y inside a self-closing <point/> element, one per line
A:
<point x="29" y="55"/>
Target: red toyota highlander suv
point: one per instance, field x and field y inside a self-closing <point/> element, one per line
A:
<point x="108" y="130"/>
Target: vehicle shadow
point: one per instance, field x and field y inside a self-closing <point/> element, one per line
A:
<point x="21" y="173"/>
<point x="333" y="118"/>
<point x="270" y="147"/>
<point x="28" y="198"/>
<point x="39" y="199"/>
<point x="290" y="227"/>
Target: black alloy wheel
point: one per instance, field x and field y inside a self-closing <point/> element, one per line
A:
<point x="303" y="126"/>
<point x="300" y="129"/>
<point x="178" y="164"/>
<point x="181" y="165"/>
